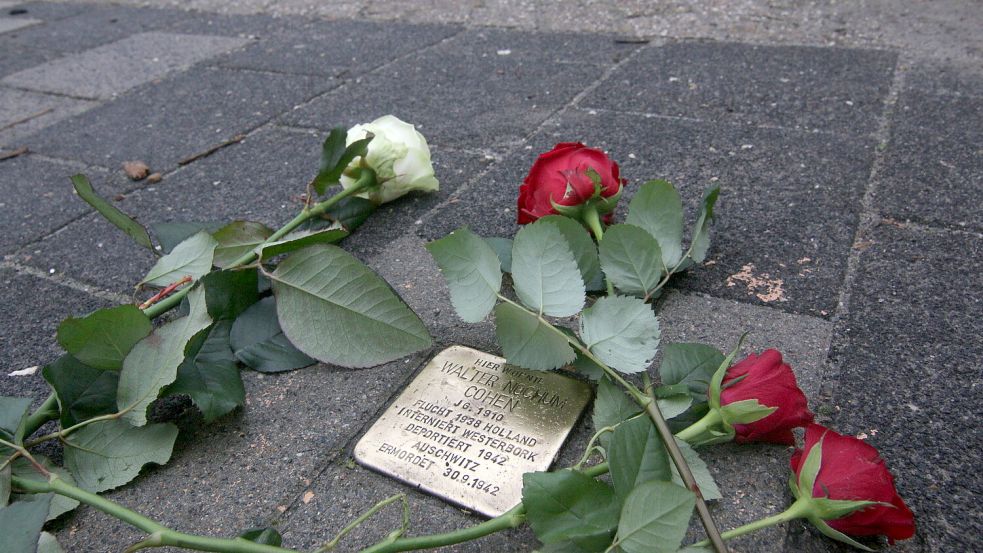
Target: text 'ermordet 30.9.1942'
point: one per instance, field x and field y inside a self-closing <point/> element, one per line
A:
<point x="469" y="426"/>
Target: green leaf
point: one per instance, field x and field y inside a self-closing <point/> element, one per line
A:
<point x="657" y="208"/>
<point x="193" y="258"/>
<point x="622" y="332"/>
<point x="13" y="411"/>
<point x="692" y="365"/>
<point x="745" y="411"/>
<point x="22" y="468"/>
<point x="112" y="214"/>
<point x="544" y="272"/>
<point x="107" y="454"/>
<point x="700" y="243"/>
<point x="673" y="406"/>
<point x="301" y="239"/>
<point x="701" y="472"/>
<point x="631" y="259"/>
<point x="611" y="406"/>
<point x="335" y="157"/>
<point x="472" y="271"/>
<point x="229" y="293"/>
<point x="153" y="361"/>
<point x="209" y="375"/>
<point x="636" y="455"/>
<point x="503" y="248"/>
<point x="654" y="518"/>
<point x="20" y="524"/>
<point x="335" y="309"/>
<point x="529" y="342"/>
<point x="4" y="485"/>
<point x="583" y="248"/>
<point x="350" y="213"/>
<point x="259" y="343"/>
<point x="237" y="239"/>
<point x="103" y="338"/>
<point x="47" y="543"/>
<point x="588" y="367"/>
<point x="569" y="505"/>
<point x="171" y="234"/>
<point x="83" y="392"/>
<point x="265" y="536"/>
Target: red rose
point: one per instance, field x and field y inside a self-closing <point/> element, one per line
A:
<point x="769" y="381"/>
<point x="852" y="470"/>
<point x="560" y="176"/>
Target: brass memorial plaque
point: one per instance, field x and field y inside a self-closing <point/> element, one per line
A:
<point x="468" y="426"/>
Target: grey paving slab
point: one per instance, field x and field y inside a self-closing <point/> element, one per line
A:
<point x="112" y="69"/>
<point x="47" y="11"/>
<point x="335" y="48"/>
<point x="270" y="451"/>
<point x="786" y="215"/>
<point x="162" y="123"/>
<point x="479" y="89"/>
<point x="18" y="58"/>
<point x="932" y="167"/>
<point x="944" y="77"/>
<point x="12" y="24"/>
<point x="907" y="374"/>
<point x="36" y="200"/>
<point x="91" y="27"/>
<point x="828" y="89"/>
<point x="23" y="112"/>
<point x="32" y="309"/>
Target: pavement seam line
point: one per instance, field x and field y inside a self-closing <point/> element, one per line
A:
<point x="65" y="281"/>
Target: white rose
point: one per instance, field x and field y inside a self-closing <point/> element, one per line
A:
<point x="398" y="154"/>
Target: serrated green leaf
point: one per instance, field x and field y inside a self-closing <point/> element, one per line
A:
<point x="60" y="504"/>
<point x="103" y="338"/>
<point x="568" y="505"/>
<point x="259" y="343"/>
<point x="350" y="213"/>
<point x="529" y="342"/>
<point x="229" y="293"/>
<point x="503" y="248"/>
<point x="657" y="208"/>
<point x="631" y="259"/>
<point x="173" y="233"/>
<point x="692" y="365"/>
<point x="700" y="243"/>
<point x="191" y="258"/>
<point x="335" y="309"/>
<point x="121" y="220"/>
<point x="13" y="411"/>
<point x="83" y="392"/>
<point x="47" y="543"/>
<point x="301" y="239"/>
<point x="107" y="454"/>
<point x="472" y="270"/>
<point x="622" y="332"/>
<point x="588" y="367"/>
<point x="654" y="518"/>
<point x="4" y="484"/>
<point x="701" y="472"/>
<point x="636" y="455"/>
<point x="153" y="361"/>
<point x="265" y="536"/>
<point x="20" y="524"/>
<point x="544" y="271"/>
<point x="673" y="406"/>
<point x="236" y="239"/>
<point x="335" y="157"/>
<point x="209" y="375"/>
<point x="583" y="248"/>
<point x="745" y="411"/>
<point x="611" y="406"/>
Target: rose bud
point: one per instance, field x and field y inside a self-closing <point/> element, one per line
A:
<point x="755" y="400"/>
<point x="846" y="489"/>
<point x="398" y="154"/>
<point x="568" y="179"/>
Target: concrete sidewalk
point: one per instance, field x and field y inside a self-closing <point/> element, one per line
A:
<point x="847" y="141"/>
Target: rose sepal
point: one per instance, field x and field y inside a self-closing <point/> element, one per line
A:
<point x="745" y="411"/>
<point x="571" y="211"/>
<point x="716" y="383"/>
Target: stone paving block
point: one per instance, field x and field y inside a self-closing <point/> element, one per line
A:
<point x="828" y="89"/>
<point x="91" y="27"/>
<point x="162" y="123"/>
<point x="789" y="204"/>
<point x="17" y="58"/>
<point x="12" y="24"/>
<point x="109" y="70"/>
<point x="292" y="425"/>
<point x="47" y="11"/>
<point x="943" y="77"/>
<point x="932" y="167"/>
<point x="35" y="200"/>
<point x="33" y="308"/>
<point x="335" y="48"/>
<point x="23" y="112"/>
<point x="519" y="80"/>
<point x="906" y="374"/>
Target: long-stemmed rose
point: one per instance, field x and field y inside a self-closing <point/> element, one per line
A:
<point x="755" y="400"/>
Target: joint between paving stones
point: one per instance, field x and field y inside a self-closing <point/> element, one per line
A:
<point x="65" y="281"/>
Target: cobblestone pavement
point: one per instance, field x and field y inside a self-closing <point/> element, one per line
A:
<point x="846" y="138"/>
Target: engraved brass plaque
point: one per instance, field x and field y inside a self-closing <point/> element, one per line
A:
<point x="468" y="426"/>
